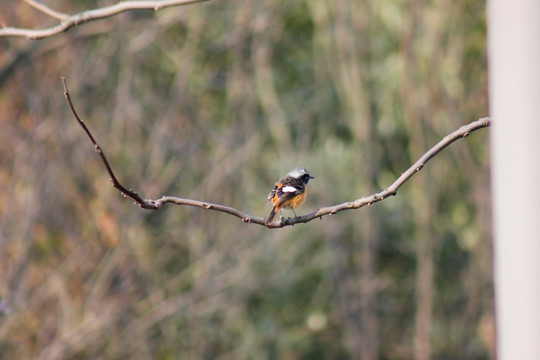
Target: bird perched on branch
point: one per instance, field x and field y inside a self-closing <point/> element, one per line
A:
<point x="289" y="192"/>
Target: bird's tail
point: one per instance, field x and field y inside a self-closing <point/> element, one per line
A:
<point x="271" y="216"/>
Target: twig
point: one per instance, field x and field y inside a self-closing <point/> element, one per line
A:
<point x="130" y="194"/>
<point x="462" y="132"/>
<point x="69" y="21"/>
<point x="47" y="10"/>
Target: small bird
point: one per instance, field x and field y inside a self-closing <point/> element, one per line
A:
<point x="289" y="192"/>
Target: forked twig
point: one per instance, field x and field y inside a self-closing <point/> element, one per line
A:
<point x="68" y="21"/>
<point x="461" y="133"/>
<point x="47" y="10"/>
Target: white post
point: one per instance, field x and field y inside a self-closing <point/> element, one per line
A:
<point x="514" y="75"/>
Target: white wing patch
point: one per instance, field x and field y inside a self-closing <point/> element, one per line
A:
<point x="289" y="189"/>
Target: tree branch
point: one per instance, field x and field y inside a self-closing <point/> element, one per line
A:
<point x="47" y="10"/>
<point x="69" y="21"/>
<point x="130" y="194"/>
<point x="461" y="133"/>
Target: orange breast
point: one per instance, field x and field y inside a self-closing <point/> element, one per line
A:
<point x="295" y="202"/>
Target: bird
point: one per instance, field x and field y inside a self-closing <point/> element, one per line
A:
<point x="289" y="192"/>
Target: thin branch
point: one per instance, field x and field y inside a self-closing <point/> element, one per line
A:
<point x="69" y="21"/>
<point x="461" y="133"/>
<point x="130" y="194"/>
<point x="47" y="10"/>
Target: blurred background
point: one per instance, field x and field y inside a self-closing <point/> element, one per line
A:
<point x="215" y="101"/>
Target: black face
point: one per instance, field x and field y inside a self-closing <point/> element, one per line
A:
<point x="305" y="178"/>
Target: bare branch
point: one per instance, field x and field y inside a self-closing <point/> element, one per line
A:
<point x="47" y="10"/>
<point x="130" y="194"/>
<point x="461" y="133"/>
<point x="69" y="21"/>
